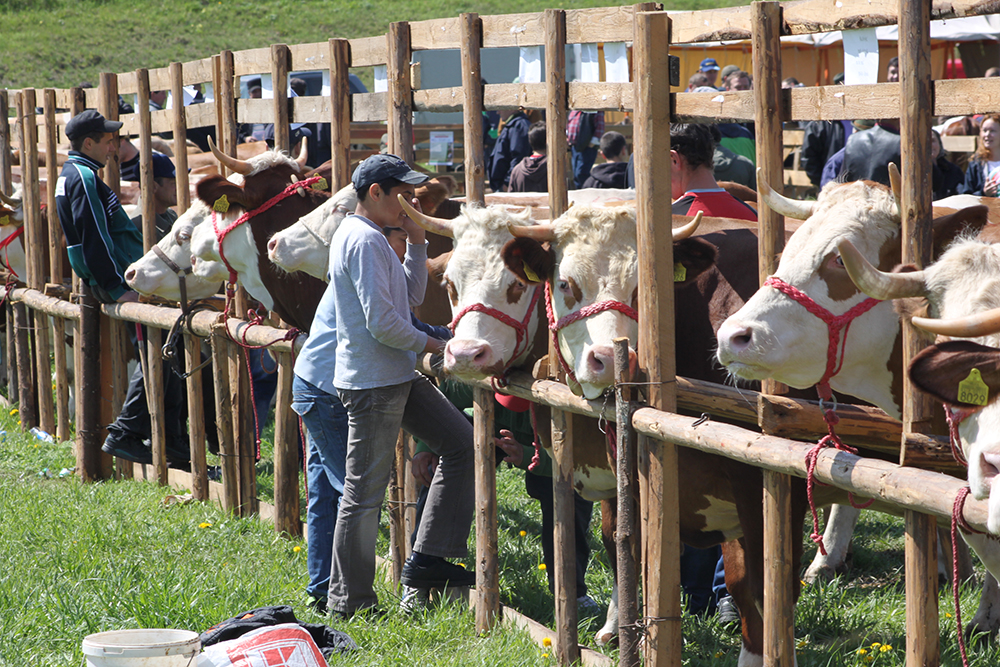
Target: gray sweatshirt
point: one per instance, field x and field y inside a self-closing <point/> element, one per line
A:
<point x="377" y="345"/>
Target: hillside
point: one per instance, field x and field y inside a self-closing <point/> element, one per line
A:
<point x="60" y="43"/>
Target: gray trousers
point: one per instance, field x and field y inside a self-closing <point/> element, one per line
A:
<point x="374" y="419"/>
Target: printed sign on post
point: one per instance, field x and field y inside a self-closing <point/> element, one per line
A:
<point x="860" y="56"/>
<point x="442" y="147"/>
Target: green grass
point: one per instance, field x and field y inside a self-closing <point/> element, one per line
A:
<point x="60" y="43"/>
<point x="78" y="559"/>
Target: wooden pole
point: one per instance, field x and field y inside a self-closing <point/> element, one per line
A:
<point x="400" y="97"/>
<point x="13" y="388"/>
<point x="340" y="112"/>
<point x="28" y="407"/>
<point x="225" y="99"/>
<point x="281" y="61"/>
<point x="178" y="116"/>
<point x="7" y="187"/>
<point x="626" y="536"/>
<point x="90" y="461"/>
<point x="223" y="421"/>
<point x="286" y="460"/>
<point x="245" y="439"/>
<point x="122" y="352"/>
<point x="78" y="102"/>
<point x="657" y="461"/>
<point x="916" y="103"/>
<point x="397" y="521"/>
<point x="219" y="129"/>
<point x="556" y="109"/>
<point x="154" y="337"/>
<point x="472" y="89"/>
<point x="196" y="416"/>
<point x="487" y="563"/>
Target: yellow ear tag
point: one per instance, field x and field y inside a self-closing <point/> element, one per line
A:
<point x="221" y="204"/>
<point x="321" y="184"/>
<point x="680" y="273"/>
<point x="529" y="274"/>
<point x="4" y="221"/>
<point x="973" y="390"/>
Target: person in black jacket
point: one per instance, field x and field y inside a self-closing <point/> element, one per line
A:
<point x="512" y="146"/>
<point x="532" y="173"/>
<point x="947" y="177"/>
<point x="610" y="174"/>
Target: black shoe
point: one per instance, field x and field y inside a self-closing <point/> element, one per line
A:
<point x="437" y="575"/>
<point x="727" y="612"/>
<point x="317" y="604"/>
<point x="127" y="447"/>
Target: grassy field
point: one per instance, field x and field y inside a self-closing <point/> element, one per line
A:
<point x="60" y="43"/>
<point x="78" y="559"/>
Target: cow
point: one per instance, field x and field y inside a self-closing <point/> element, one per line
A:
<point x="773" y="336"/>
<point x="963" y="282"/>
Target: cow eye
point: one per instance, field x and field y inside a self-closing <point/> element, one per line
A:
<point x="563" y="286"/>
<point x="839" y="261"/>
<point x="183" y="236"/>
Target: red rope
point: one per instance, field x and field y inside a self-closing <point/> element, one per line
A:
<point x="958" y="520"/>
<point x="536" y="460"/>
<point x="520" y="327"/>
<point x="6" y="252"/>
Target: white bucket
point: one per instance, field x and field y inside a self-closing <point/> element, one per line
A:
<point x="141" y="648"/>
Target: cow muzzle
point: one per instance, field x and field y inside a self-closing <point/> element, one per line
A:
<point x="470" y="358"/>
<point x="984" y="481"/>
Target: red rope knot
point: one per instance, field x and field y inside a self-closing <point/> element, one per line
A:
<point x="955" y="418"/>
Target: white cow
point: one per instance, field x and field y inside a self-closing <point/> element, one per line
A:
<point x="305" y="245"/>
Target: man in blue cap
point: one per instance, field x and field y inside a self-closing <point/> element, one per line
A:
<point x="376" y="350"/>
<point x="163" y="193"/>
<point x="710" y="68"/>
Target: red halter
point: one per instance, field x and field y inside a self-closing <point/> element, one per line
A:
<point x="836" y="324"/>
<point x="3" y="246"/>
<point x="520" y="327"/>
<point x="586" y="311"/>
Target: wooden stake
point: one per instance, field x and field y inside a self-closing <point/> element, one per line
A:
<point x="28" y="407"/>
<point x="225" y="100"/>
<point x="286" y="454"/>
<point x="223" y="421"/>
<point x="90" y="460"/>
<point x="400" y="97"/>
<point x="196" y="416"/>
<point x="13" y="386"/>
<point x="556" y="110"/>
<point x="657" y="461"/>
<point x="487" y="563"/>
<point x="626" y="535"/>
<point x="122" y="352"/>
<point x="179" y="118"/>
<point x="398" y="538"/>
<point x="340" y="112"/>
<point x="281" y="60"/>
<point x="472" y="88"/>
<point x="108" y="106"/>
<point x="564" y="551"/>
<point x="6" y="182"/>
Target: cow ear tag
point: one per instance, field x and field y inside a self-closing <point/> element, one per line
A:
<point x="680" y="273"/>
<point x="4" y="221"/>
<point x="221" y="204"/>
<point x="321" y="184"/>
<point x="973" y="390"/>
<point x="529" y="274"/>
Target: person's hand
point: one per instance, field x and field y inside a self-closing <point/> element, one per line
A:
<point x="424" y="464"/>
<point x="990" y="187"/>
<point x="414" y="233"/>
<point x="434" y="346"/>
<point x="510" y="446"/>
<point x="128" y="296"/>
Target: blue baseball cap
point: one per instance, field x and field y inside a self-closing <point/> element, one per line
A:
<point x="709" y="64"/>
<point x="384" y="166"/>
<point x="163" y="166"/>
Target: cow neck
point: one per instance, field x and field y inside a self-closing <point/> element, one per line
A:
<point x="593" y="309"/>
<point x="520" y="329"/>
<point x="838" y="326"/>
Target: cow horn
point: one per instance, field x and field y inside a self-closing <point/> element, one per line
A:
<point x="231" y="163"/>
<point x="303" y="154"/>
<point x="879" y="284"/>
<point x="895" y="182"/>
<point x="541" y="233"/>
<point x="687" y="230"/>
<point x="9" y="201"/>
<point x="791" y="208"/>
<point x="980" y="324"/>
<point x="428" y="222"/>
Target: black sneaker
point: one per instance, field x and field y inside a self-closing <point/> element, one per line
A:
<point x="127" y="447"/>
<point x="727" y="612"/>
<point x="437" y="575"/>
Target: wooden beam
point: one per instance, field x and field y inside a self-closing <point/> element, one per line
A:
<point x="472" y="94"/>
<point x="287" y="518"/>
<point x="340" y="112"/>
<point x="281" y="60"/>
<point x="626" y="534"/>
<point x="196" y="417"/>
<point x="555" y="110"/>
<point x="399" y="103"/>
<point x="179" y="123"/>
<point x="487" y="560"/>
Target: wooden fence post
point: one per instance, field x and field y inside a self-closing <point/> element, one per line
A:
<point x="24" y="321"/>
<point x="657" y="460"/>
<point x="472" y="89"/>
<point x="7" y="187"/>
<point x="400" y="98"/>
<point x="223" y="420"/>
<point x="196" y="417"/>
<point x="281" y="60"/>
<point x="287" y="518"/>
<point x="626" y="535"/>
<point x="340" y="111"/>
<point x="487" y="564"/>
<point x="179" y="122"/>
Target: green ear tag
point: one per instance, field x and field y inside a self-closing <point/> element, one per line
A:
<point x="4" y="221"/>
<point x="221" y="204"/>
<point x="321" y="184"/>
<point x="973" y="390"/>
<point x="680" y="273"/>
<point x="529" y="274"/>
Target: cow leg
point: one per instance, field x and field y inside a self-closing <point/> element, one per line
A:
<point x="837" y="540"/>
<point x="609" y="522"/>
<point x="987" y="616"/>
<point x="748" y="595"/>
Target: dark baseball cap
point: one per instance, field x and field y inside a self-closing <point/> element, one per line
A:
<point x="88" y="122"/>
<point x="382" y="167"/>
<point x="709" y="64"/>
<point x="163" y="166"/>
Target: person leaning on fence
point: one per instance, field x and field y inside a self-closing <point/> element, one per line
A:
<point x="532" y="173"/>
<point x="584" y="130"/>
<point x="511" y="147"/>
<point x="610" y="174"/>
<point x="378" y="384"/>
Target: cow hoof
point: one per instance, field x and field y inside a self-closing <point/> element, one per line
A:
<point x="821" y="573"/>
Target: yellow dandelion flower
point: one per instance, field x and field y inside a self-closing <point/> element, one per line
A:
<point x="719" y="654"/>
<point x="876" y="645"/>
<point x="524" y="533"/>
<point x="296" y="548"/>
<point x="546" y="642"/>
<point x="13" y="412"/>
<point x="947" y="615"/>
<point x="869" y="658"/>
<point x="862" y="651"/>
<point x="885" y="648"/>
<point x="545" y="655"/>
<point x="541" y="566"/>
<point x="204" y="524"/>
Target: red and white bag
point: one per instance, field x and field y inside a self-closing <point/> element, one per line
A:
<point x="285" y="645"/>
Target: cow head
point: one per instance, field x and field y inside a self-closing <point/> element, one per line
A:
<point x="475" y="276"/>
<point x="773" y="336"/>
<point x="305" y="245"/>
<point x="150" y="275"/>
<point x="963" y="294"/>
<point x="588" y="256"/>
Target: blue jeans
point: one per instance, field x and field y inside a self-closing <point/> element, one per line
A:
<point x="375" y="417"/>
<point x="325" y="420"/>
<point x="582" y="163"/>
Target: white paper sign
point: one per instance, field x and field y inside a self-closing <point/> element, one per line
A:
<point x="860" y="56"/>
<point x="442" y="145"/>
<point x="615" y="62"/>
<point x="590" y="68"/>
<point x="530" y="66"/>
<point x="189" y="94"/>
<point x="381" y="79"/>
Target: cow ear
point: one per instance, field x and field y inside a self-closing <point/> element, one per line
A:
<point x="211" y="190"/>
<point x="947" y="227"/>
<point x="437" y="265"/>
<point x="939" y="370"/>
<point x="529" y="260"/>
<point x="692" y="257"/>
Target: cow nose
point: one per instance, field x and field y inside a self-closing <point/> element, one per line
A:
<point x="271" y="245"/>
<point x="130" y="276"/>
<point x="600" y="360"/>
<point x="469" y="353"/>
<point x="738" y="338"/>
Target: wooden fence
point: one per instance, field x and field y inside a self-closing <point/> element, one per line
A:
<point x="99" y="332"/>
